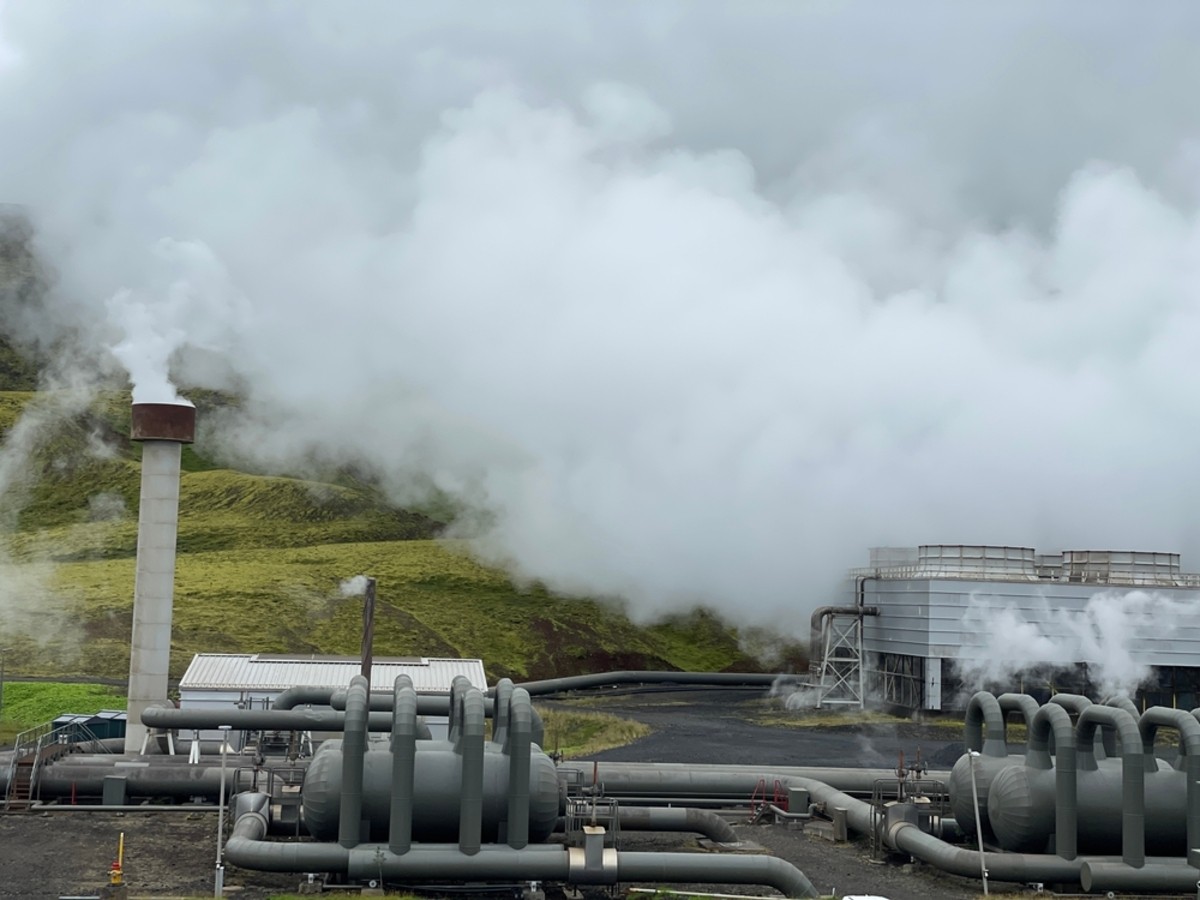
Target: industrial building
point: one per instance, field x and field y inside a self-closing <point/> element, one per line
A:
<point x="255" y="680"/>
<point x="917" y="619"/>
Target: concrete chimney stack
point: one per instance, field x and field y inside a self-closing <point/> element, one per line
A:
<point x="163" y="429"/>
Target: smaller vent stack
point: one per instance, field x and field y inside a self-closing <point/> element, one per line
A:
<point x="162" y="429"/>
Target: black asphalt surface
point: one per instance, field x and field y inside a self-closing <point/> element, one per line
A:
<point x="721" y="727"/>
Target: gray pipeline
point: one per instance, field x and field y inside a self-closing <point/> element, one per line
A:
<point x="1161" y="875"/>
<point x="261" y="719"/>
<point x="660" y="781"/>
<point x="1133" y="772"/>
<point x="379" y="702"/>
<point x="677" y="819"/>
<point x="1054" y="721"/>
<point x="907" y="837"/>
<point x="248" y="849"/>
<point x="733" y="781"/>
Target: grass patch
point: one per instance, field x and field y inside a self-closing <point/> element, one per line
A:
<point x="576" y="734"/>
<point x="30" y="703"/>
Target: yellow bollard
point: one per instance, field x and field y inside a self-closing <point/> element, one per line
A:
<point x="116" y="870"/>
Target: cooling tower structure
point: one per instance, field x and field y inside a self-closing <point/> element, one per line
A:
<point x="162" y="429"/>
<point x="940" y="605"/>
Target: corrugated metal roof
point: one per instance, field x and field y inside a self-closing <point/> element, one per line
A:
<point x="272" y="672"/>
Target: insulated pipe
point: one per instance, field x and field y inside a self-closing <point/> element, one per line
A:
<point x="608" y="679"/>
<point x="1018" y="703"/>
<point x="687" y="868"/>
<point x="404" y="761"/>
<point x="1133" y="773"/>
<point x="427" y="705"/>
<point x="1163" y="875"/>
<point x="1077" y="703"/>
<point x="458" y="687"/>
<point x="265" y="719"/>
<point x="984" y="710"/>
<point x="1109" y="737"/>
<point x="469" y="746"/>
<point x="666" y="781"/>
<point x="1189" y="749"/>
<point x="1054" y="719"/>
<point x="1072" y="703"/>
<point x="501" y="708"/>
<point x="677" y="818"/>
<point x="354" y="745"/>
<point x="907" y="837"/>
<point x="518" y="744"/>
<point x="247" y="849"/>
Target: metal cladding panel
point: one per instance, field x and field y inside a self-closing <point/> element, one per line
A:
<point x="163" y="422"/>
<point x="928" y="617"/>
<point x="252" y="672"/>
<point x="902" y="625"/>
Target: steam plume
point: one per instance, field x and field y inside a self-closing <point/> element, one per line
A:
<point x="686" y="325"/>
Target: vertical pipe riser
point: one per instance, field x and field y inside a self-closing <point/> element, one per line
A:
<point x="470" y="748"/>
<point x="354" y="745"/>
<point x="519" y="745"/>
<point x="404" y="760"/>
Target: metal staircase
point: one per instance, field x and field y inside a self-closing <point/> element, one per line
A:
<point x="38" y="747"/>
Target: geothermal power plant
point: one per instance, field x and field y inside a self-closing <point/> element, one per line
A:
<point x="409" y="773"/>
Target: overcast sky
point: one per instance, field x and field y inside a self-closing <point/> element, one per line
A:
<point x="695" y="302"/>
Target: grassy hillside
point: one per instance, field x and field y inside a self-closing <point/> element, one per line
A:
<point x="261" y="560"/>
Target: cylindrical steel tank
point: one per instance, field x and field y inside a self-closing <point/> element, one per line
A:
<point x="437" y="782"/>
<point x="959" y="787"/>
<point x="1021" y="809"/>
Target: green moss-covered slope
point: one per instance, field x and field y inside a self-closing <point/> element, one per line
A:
<point x="261" y="560"/>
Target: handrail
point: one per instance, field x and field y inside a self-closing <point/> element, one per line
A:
<point x="32" y="741"/>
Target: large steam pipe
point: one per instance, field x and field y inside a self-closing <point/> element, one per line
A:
<point x="1076" y="704"/>
<point x="1108" y="737"/>
<point x="1189" y="749"/>
<point x="908" y="838"/>
<point x="1164" y="875"/>
<point x="1023" y="704"/>
<point x="501" y="709"/>
<point x="248" y="849"/>
<point x="354" y="745"/>
<point x="609" y="679"/>
<point x="1133" y="773"/>
<point x="668" y="781"/>
<point x="1052" y="719"/>
<point x="404" y="762"/>
<point x="427" y="705"/>
<point x="984" y="710"/>
<point x="263" y="719"/>
<point x="469" y="745"/>
<point x="677" y="818"/>
<point x="518" y="742"/>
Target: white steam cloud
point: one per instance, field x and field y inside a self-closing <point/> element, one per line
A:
<point x="693" y="303"/>
<point x="354" y="587"/>
<point x="1119" y="634"/>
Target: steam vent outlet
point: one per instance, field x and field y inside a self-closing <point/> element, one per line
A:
<point x="162" y="429"/>
<point x="164" y="422"/>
